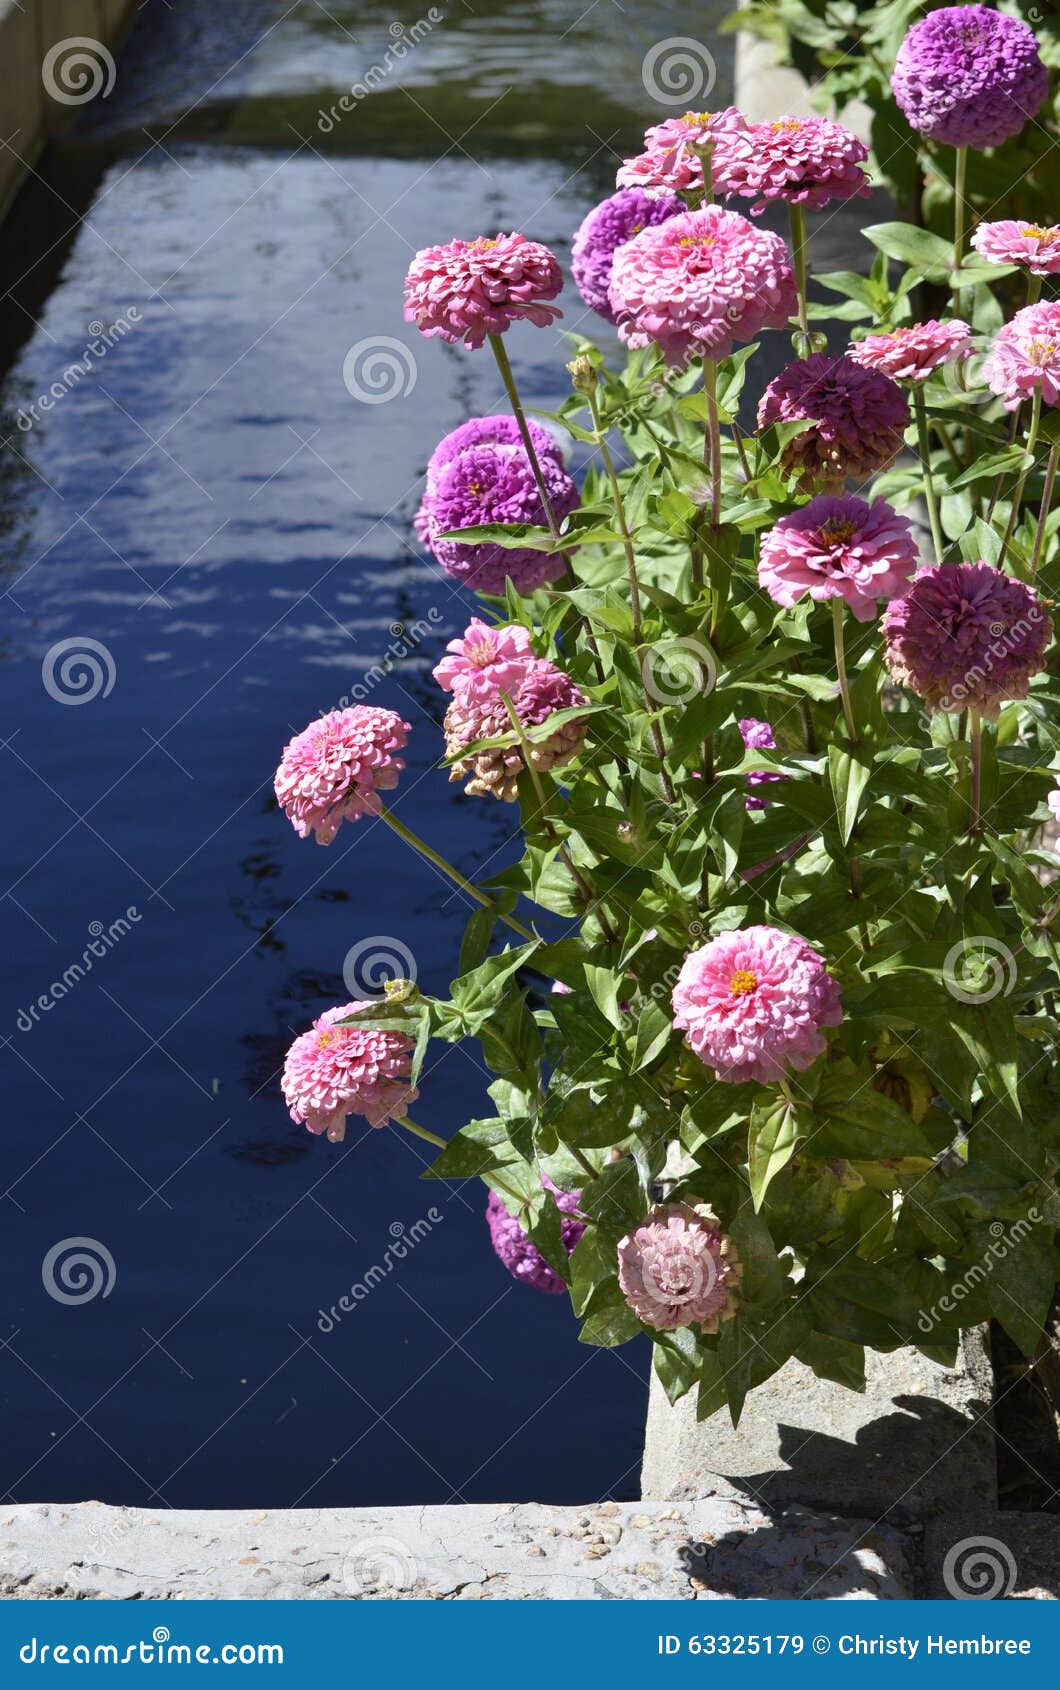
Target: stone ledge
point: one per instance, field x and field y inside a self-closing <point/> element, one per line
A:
<point x="718" y="1548"/>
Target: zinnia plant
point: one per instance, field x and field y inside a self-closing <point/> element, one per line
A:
<point x="776" y="1057"/>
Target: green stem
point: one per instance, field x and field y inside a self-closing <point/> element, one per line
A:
<point x="797" y="220"/>
<point x="581" y="1159"/>
<point x="454" y="874"/>
<point x="1017" y="497"/>
<point x="975" y="741"/>
<point x="1034" y="289"/>
<point x="421" y="1132"/>
<point x="841" y="669"/>
<point x="508" y="378"/>
<point x="959" y="177"/>
<point x="924" y="439"/>
<point x="634" y="585"/>
<point x="1043" y="514"/>
<point x="712" y="443"/>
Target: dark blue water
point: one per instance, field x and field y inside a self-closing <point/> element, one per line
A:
<point x="213" y="509"/>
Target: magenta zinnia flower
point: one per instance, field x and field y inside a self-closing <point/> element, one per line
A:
<point x="807" y="161"/>
<point x="470" y="289"/>
<point x="608" y="226"/>
<point x="969" y="76"/>
<point x="758" y="736"/>
<point x="860" y="415"/>
<point x="912" y="353"/>
<point x="1025" y="356"/>
<point x="499" y="430"/>
<point x="678" y="1268"/>
<point x="753" y="1003"/>
<point x="485" y="662"/>
<point x="966" y="635"/>
<point x="544" y="690"/>
<point x="1030" y="245"/>
<point x="334" y="770"/>
<point x="332" y="1072"/>
<point x="700" y="282"/>
<point x="519" y="1253"/>
<point x="839" y="549"/>
<point x="672" y="161"/>
<point x="494" y="483"/>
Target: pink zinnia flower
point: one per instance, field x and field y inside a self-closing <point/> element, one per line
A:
<point x="543" y="691"/>
<point x="758" y="736"/>
<point x="678" y="1268"/>
<point x="839" y="549"/>
<point x="860" y="415"/>
<point x="912" y="353"/>
<point x="1053" y="802"/>
<point x="966" y="635"/>
<point x="470" y="289"/>
<point x="485" y="661"/>
<point x="807" y="161"/>
<point x="1025" y="356"/>
<point x="1030" y="245"/>
<point x="334" y="770"/>
<point x="518" y="1251"/>
<point x="332" y="1072"/>
<point x="698" y="283"/>
<point x="672" y="158"/>
<point x="753" y="1003"/>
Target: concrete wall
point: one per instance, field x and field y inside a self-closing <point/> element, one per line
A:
<point x="29" y="112"/>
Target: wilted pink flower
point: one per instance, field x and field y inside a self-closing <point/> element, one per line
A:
<point x="485" y="661"/>
<point x="470" y="289"/>
<point x="672" y="151"/>
<point x="543" y="691"/>
<point x="966" y="635"/>
<point x="807" y="161"/>
<point x="678" y="1268"/>
<point x="699" y="282"/>
<point x="334" y="770"/>
<point x="517" y="1250"/>
<point x="758" y="736"/>
<point x="1030" y="245"/>
<point x="912" y="353"/>
<point x="332" y="1072"/>
<point x="839" y="548"/>
<point x="753" y="1003"/>
<point x="860" y="416"/>
<point x="1025" y="357"/>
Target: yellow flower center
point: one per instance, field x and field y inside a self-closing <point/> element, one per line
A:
<point x="483" y="244"/>
<point x="476" y="488"/>
<point x="742" y="982"/>
<point x="1040" y="351"/>
<point x="327" y="1038"/>
<point x="696" y="240"/>
<point x="1044" y="237"/>
<point x="696" y="117"/>
<point x="834" y="532"/>
<point x="789" y="123"/>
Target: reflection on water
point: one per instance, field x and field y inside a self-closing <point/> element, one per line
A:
<point x="210" y="508"/>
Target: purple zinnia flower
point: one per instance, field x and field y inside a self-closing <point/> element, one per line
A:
<point x="758" y="736"/>
<point x="495" y="483"/>
<point x="608" y="226"/>
<point x="966" y="636"/>
<point x="969" y="76"/>
<point x="500" y="430"/>
<point x="861" y="416"/>
<point x="519" y="1254"/>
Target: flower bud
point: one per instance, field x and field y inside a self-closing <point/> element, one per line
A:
<point x="583" y="376"/>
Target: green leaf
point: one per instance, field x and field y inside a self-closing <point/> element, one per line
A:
<point x="835" y="1359"/>
<point x="928" y="254"/>
<point x="776" y="1129"/>
<point x="476" y="1149"/>
<point x="848" y="772"/>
